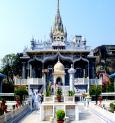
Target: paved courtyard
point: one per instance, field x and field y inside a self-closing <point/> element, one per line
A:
<point x="85" y="117"/>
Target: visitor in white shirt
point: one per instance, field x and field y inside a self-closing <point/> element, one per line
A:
<point x="37" y="101"/>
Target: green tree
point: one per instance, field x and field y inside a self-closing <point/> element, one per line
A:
<point x="11" y="66"/>
<point x="21" y="91"/>
<point x="95" y="90"/>
<point x="109" y="88"/>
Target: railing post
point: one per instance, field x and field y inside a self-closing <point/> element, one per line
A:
<point x="23" y="70"/>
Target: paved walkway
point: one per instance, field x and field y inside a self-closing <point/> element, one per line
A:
<point x="85" y="117"/>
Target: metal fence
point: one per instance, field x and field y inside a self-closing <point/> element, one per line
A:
<point x="15" y="115"/>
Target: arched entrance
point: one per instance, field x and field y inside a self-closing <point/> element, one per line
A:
<point x="82" y="67"/>
<point x="59" y="81"/>
<point x="36" y="69"/>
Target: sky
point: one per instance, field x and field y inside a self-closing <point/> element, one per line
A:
<point x="20" y="20"/>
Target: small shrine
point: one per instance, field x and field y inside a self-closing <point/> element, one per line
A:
<point x="52" y="104"/>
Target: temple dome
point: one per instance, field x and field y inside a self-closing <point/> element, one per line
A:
<point x="58" y="67"/>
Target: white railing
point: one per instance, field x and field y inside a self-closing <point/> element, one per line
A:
<point x="20" y="81"/>
<point x="80" y="81"/>
<point x="95" y="81"/>
<point x="6" y="94"/>
<point x="69" y="99"/>
<point x="49" y="99"/>
<point x="68" y="48"/>
<point x="66" y="99"/>
<point x="34" y="81"/>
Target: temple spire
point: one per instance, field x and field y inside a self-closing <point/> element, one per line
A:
<point x="58" y="8"/>
<point x="58" y="33"/>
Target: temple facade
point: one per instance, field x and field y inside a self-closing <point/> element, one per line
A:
<point x="58" y="60"/>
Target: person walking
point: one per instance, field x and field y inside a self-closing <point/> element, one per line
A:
<point x="37" y="101"/>
<point x="33" y="100"/>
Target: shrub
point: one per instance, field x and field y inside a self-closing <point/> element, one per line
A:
<point x="21" y="92"/>
<point x="112" y="107"/>
<point x="60" y="115"/>
<point x="71" y="93"/>
<point x="59" y="92"/>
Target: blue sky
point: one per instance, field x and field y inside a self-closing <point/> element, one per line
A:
<point x="22" y="19"/>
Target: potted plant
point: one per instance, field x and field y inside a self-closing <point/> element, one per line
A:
<point x="60" y="115"/>
<point x="112" y="107"/>
<point x="71" y="93"/>
<point x="59" y="94"/>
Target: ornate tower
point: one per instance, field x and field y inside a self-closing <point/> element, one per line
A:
<point x="58" y="35"/>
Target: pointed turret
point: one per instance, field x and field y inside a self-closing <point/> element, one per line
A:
<point x="58" y="34"/>
<point x="58" y="25"/>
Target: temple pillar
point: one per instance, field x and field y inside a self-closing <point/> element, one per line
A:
<point x="44" y="81"/>
<point x="71" y="72"/>
<point x="54" y="85"/>
<point x="44" y="72"/>
<point x="31" y="71"/>
<point x="84" y="73"/>
<point x="23" y="70"/>
<point x="88" y="86"/>
<point x="71" y="82"/>
<point x="28" y="68"/>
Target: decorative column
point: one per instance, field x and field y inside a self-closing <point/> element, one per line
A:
<point x="44" y="79"/>
<point x="71" y="72"/>
<point x="83" y="73"/>
<point x="23" y="70"/>
<point x="88" y="85"/>
<point x="28" y="81"/>
<point x="31" y="71"/>
<point x="28" y="69"/>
